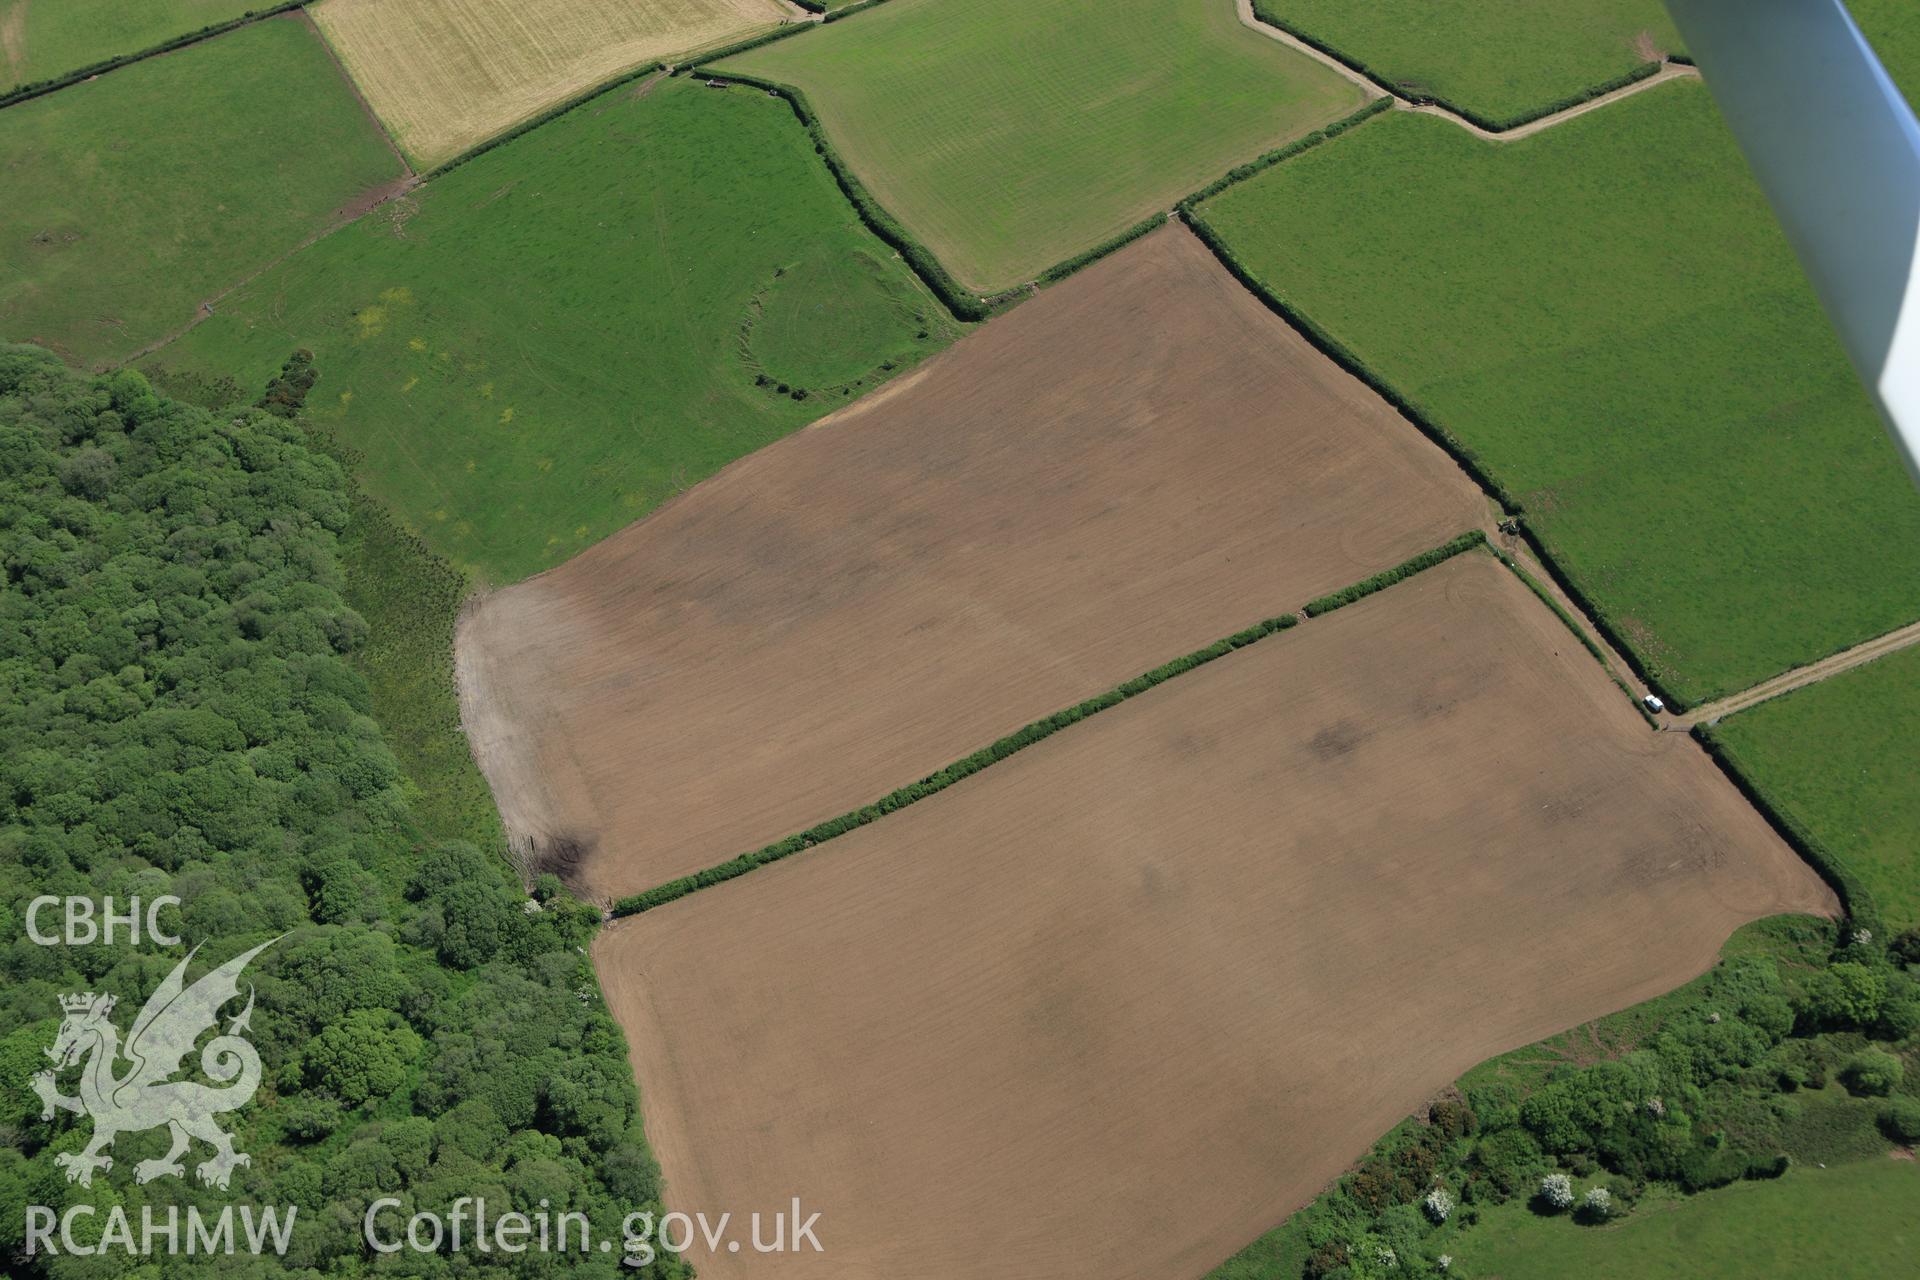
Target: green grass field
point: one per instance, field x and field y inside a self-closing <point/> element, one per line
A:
<point x="1011" y="134"/>
<point x="42" y="40"/>
<point x="1796" y="945"/>
<point x="1607" y="316"/>
<point x="552" y="339"/>
<point x="132" y="199"/>
<point x="1895" y="36"/>
<point x="1841" y="757"/>
<point x="1850" y="1222"/>
<point x="1500" y="62"/>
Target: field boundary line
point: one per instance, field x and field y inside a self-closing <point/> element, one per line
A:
<point x="1574" y="621"/>
<point x="544" y="116"/>
<point x="1254" y="14"/>
<point x="353" y="87"/>
<point x="1801" y="677"/>
<point x="1036" y="731"/>
<point x="1464" y="456"/>
<point x="1856" y="899"/>
<point x="963" y="304"/>
<point x="1387" y="577"/>
<point x="66" y="80"/>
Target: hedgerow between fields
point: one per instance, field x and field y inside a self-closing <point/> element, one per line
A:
<point x="963" y="305"/>
<point x="939" y="781"/>
<point x="1381" y="581"/>
<point x="1835" y="763"/>
<point x="63" y="44"/>
<point x="1026" y="737"/>
<point x="1497" y="65"/>
<point x="1004" y="171"/>
<point x="1653" y="421"/>
<point x="184" y="719"/>
<point x="543" y="344"/>
<point x="1790" y="1051"/>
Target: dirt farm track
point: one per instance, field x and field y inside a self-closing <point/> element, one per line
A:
<point x="1117" y="1005"/>
<point x="1137" y="462"/>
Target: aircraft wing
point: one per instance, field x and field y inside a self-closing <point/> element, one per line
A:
<point x="1837" y="151"/>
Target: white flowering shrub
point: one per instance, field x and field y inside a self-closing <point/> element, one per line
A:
<point x="1597" y="1203"/>
<point x="1656" y="1108"/>
<point x="1862" y="937"/>
<point x="1386" y="1257"/>
<point x="1445" y="1261"/>
<point x="1556" y="1190"/>
<point x="1439" y="1203"/>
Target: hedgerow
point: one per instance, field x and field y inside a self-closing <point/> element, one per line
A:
<point x="1855" y="896"/>
<point x="1265" y="14"/>
<point x="1468" y="460"/>
<point x="1573" y="625"/>
<point x="698" y="66"/>
<point x="1692" y="1090"/>
<point x="864" y="5"/>
<point x="39" y="88"/>
<point x="1546" y="598"/>
<point x="1381" y="581"/>
<point x="1337" y="352"/>
<point x="1061" y="270"/>
<point x="1240" y="173"/>
<point x="955" y="772"/>
<point x="1565" y="582"/>
<point x="1026" y="737"/>
<point x="534" y="122"/>
<point x="963" y="305"/>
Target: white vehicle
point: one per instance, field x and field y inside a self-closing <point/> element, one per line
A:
<point x="1653" y="704"/>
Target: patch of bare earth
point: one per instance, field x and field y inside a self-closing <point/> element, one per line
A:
<point x="1134" y="464"/>
<point x="1118" y="1004"/>
<point x="373" y="197"/>
<point x="13" y="40"/>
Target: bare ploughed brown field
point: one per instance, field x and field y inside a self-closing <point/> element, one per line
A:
<point x="1139" y="461"/>
<point x="1117" y="1005"/>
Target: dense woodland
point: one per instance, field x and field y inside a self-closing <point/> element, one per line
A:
<point x="179" y="715"/>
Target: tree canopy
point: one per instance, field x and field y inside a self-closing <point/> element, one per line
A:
<point x="179" y="715"/>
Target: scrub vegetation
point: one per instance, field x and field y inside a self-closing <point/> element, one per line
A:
<point x="550" y="340"/>
<point x="183" y="717"/>
<point x="1789" y="1054"/>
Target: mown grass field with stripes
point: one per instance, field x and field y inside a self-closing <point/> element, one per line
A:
<point x="446" y="74"/>
<point x="1011" y="134"/>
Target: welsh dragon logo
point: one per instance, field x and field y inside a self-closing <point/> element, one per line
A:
<point x="142" y="1097"/>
